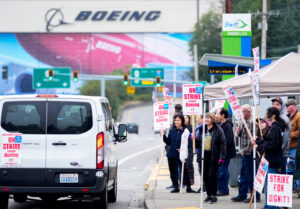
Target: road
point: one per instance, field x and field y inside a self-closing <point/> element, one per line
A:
<point x="136" y="157"/>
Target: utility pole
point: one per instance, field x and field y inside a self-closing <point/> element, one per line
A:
<point x="196" y="63"/>
<point x="228" y="6"/>
<point x="264" y="30"/>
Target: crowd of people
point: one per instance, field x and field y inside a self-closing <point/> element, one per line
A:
<point x="276" y="139"/>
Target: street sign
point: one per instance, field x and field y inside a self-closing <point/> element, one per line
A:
<point x="146" y="73"/>
<point x="61" y="78"/>
<point x="130" y="90"/>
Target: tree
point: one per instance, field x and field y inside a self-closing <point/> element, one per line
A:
<point x="283" y="33"/>
<point x="207" y="37"/>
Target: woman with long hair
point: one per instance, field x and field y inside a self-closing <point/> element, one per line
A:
<point x="271" y="145"/>
<point x="214" y="155"/>
<point x="174" y="141"/>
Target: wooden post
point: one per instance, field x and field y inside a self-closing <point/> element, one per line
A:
<point x="257" y="115"/>
<point x="181" y="180"/>
<point x="252" y="196"/>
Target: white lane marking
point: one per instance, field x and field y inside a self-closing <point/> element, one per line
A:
<point x="138" y="153"/>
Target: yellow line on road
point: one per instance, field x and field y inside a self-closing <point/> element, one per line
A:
<point x="153" y="176"/>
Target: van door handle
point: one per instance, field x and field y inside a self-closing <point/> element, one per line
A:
<point x="59" y="144"/>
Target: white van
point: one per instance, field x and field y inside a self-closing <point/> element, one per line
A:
<point x="54" y="146"/>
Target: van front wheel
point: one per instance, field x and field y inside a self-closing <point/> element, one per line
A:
<point x="3" y="201"/>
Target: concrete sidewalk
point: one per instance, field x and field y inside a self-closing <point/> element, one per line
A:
<point x="158" y="197"/>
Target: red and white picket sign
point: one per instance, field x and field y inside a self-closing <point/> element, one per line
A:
<point x="161" y="115"/>
<point x="192" y="99"/>
<point x="10" y="151"/>
<point x="166" y="93"/>
<point x="261" y="175"/>
<point x="280" y="190"/>
<point x="256" y="59"/>
<point x="233" y="101"/>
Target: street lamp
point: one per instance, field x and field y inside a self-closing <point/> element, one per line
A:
<point x="72" y="58"/>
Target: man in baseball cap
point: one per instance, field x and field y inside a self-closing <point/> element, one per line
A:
<point x="294" y="116"/>
<point x="279" y="104"/>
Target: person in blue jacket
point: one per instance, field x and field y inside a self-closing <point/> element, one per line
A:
<point x="174" y="140"/>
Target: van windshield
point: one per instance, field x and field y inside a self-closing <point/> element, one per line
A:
<point x="69" y="117"/>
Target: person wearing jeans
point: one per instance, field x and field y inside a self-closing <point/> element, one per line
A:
<point x="246" y="174"/>
<point x="271" y="145"/>
<point x="223" y="172"/>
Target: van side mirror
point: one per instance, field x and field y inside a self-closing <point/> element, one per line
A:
<point x="122" y="133"/>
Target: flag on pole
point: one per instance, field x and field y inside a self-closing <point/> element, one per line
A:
<point x="236" y="70"/>
<point x="154" y="97"/>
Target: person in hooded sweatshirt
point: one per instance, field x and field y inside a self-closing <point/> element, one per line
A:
<point x="271" y="145"/>
<point x="223" y="172"/>
<point x="280" y="105"/>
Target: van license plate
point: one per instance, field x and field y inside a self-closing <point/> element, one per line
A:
<point x="69" y="178"/>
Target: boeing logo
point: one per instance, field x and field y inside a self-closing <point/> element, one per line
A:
<point x="237" y="24"/>
<point x="118" y="15"/>
<point x="54" y="17"/>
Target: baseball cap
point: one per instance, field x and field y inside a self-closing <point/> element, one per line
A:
<point x="291" y="102"/>
<point x="277" y="99"/>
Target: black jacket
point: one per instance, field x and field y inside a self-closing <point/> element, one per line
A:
<point x="271" y="145"/>
<point x="218" y="143"/>
<point x="230" y="145"/>
<point x="174" y="140"/>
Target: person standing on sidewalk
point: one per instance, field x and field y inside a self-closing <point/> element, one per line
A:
<point x="223" y="172"/>
<point x="174" y="141"/>
<point x="246" y="173"/>
<point x="190" y="159"/>
<point x="198" y="132"/>
<point x="294" y="116"/>
<point x="214" y="155"/>
<point x="271" y="146"/>
<point x="280" y="105"/>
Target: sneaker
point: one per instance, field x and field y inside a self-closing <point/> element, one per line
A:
<point x="248" y="200"/>
<point x="175" y="191"/>
<point x="207" y="199"/>
<point x="190" y="190"/>
<point x="170" y="187"/>
<point x="219" y="194"/>
<point x="213" y="200"/>
<point x="238" y="199"/>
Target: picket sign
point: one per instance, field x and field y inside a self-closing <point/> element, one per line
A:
<point x="256" y="59"/>
<point x="260" y="178"/>
<point x="161" y="115"/>
<point x="183" y="153"/>
<point x="192" y="103"/>
<point x="10" y="150"/>
<point x="280" y="190"/>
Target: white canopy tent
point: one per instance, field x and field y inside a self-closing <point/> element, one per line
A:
<point x="281" y="78"/>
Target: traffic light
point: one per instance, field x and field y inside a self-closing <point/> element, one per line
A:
<point x="125" y="79"/>
<point x="4" y="72"/>
<point x="75" y="75"/>
<point x="158" y="81"/>
<point x="50" y="75"/>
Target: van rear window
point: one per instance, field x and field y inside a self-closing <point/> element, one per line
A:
<point x="69" y="117"/>
<point x="24" y="117"/>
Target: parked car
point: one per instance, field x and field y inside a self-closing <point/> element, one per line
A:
<point x="132" y="128"/>
<point x="63" y="148"/>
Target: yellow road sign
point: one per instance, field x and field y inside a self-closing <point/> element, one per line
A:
<point x="130" y="90"/>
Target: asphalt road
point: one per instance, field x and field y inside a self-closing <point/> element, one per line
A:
<point x="136" y="157"/>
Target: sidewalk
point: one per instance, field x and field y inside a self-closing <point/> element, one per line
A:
<point x="158" y="197"/>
